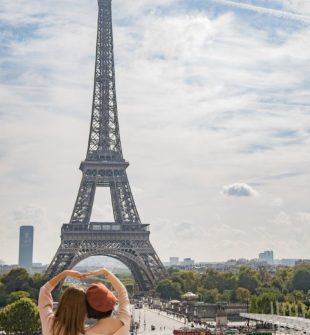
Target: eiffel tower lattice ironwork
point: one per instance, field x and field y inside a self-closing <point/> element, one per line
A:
<point x="126" y="239"/>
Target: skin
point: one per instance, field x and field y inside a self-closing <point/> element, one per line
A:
<point x="62" y="275"/>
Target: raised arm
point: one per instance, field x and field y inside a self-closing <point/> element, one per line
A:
<point x="45" y="302"/>
<point x="62" y="275"/>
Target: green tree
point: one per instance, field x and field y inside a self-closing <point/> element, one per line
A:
<point x="299" y="295"/>
<point x="212" y="295"/>
<point x="36" y="282"/>
<point x="286" y="308"/>
<point x="3" y="295"/>
<point x="17" y="280"/>
<point x="282" y="279"/>
<point x="253" y="304"/>
<point x="301" y="279"/>
<point x="189" y="281"/>
<point x="168" y="289"/>
<point x="227" y="295"/>
<point x="264" y="301"/>
<point x="243" y="294"/>
<point x="248" y="278"/>
<point x="201" y="291"/>
<point x="221" y="280"/>
<point x="264" y="277"/>
<point x="233" y="297"/>
<point x="226" y="281"/>
<point x="14" y="296"/>
<point x="21" y="316"/>
<point x="209" y="279"/>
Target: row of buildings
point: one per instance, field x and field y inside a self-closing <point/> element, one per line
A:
<point x="264" y="259"/>
<point x="201" y="312"/>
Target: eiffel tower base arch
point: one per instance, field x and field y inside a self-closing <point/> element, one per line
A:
<point x="131" y="248"/>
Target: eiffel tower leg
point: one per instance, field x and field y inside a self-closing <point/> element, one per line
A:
<point x="123" y="204"/>
<point x="84" y="202"/>
<point x="144" y="283"/>
<point x="154" y="265"/>
<point x="60" y="262"/>
<point x="141" y="273"/>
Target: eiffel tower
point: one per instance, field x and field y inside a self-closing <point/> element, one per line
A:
<point x="126" y="239"/>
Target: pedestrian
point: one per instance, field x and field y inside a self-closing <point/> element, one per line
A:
<point x="100" y="302"/>
<point x="70" y="314"/>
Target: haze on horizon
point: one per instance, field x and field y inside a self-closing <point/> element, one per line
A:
<point x="213" y="102"/>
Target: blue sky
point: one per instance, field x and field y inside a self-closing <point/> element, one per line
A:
<point x="213" y="101"/>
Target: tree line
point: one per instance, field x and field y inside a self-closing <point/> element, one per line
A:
<point x="285" y="291"/>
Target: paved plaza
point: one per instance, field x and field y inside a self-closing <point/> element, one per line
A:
<point x="164" y="325"/>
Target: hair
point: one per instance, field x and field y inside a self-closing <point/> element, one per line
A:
<point x="94" y="314"/>
<point x="71" y="312"/>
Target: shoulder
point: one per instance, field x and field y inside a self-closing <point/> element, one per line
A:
<point x="123" y="330"/>
<point x="89" y="329"/>
<point x="109" y="327"/>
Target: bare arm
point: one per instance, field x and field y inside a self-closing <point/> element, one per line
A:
<point x="45" y="302"/>
<point x="62" y="275"/>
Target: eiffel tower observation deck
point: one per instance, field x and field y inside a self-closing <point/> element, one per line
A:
<point x="127" y="238"/>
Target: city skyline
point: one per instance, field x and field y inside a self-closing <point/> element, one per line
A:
<point x="96" y="261"/>
<point x="213" y="115"/>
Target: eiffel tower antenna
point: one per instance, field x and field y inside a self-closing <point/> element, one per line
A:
<point x="127" y="238"/>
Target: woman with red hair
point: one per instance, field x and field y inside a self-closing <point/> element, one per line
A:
<point x="100" y="303"/>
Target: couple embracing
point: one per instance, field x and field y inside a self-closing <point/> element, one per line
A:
<point x="76" y="305"/>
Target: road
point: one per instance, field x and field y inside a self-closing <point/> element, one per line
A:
<point x="164" y="325"/>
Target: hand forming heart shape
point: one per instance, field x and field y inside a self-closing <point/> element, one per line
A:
<point x="78" y="275"/>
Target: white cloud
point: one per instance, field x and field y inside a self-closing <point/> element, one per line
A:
<point x="239" y="190"/>
<point x="282" y="219"/>
<point x="28" y="215"/>
<point x="297" y="6"/>
<point x="277" y="202"/>
<point x="185" y="230"/>
<point x="269" y="11"/>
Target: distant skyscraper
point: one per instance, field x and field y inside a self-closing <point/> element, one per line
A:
<point x="188" y="261"/>
<point x="266" y="256"/>
<point x="25" y="246"/>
